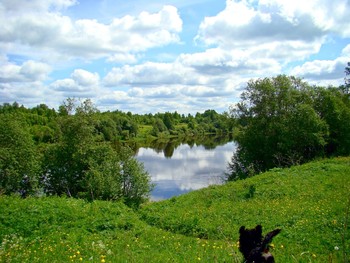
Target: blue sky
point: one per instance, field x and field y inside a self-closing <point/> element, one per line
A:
<point x="165" y="55"/>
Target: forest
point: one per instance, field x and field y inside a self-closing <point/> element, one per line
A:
<point x="78" y="151"/>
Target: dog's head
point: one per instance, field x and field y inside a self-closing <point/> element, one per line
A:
<point x="249" y="239"/>
<point x="253" y="246"/>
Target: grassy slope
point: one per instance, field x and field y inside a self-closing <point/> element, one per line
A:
<point x="308" y="202"/>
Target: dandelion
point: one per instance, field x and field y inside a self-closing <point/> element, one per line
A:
<point x="314" y="255"/>
<point x="81" y="259"/>
<point x="282" y="246"/>
<point x="199" y="259"/>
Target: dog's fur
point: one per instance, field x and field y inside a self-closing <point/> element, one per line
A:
<point x="253" y="246"/>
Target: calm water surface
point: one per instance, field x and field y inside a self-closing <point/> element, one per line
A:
<point x="183" y="168"/>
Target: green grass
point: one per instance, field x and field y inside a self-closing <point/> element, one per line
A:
<point x="144" y="130"/>
<point x="308" y="202"/>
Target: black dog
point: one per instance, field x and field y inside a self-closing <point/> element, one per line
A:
<point x="253" y="246"/>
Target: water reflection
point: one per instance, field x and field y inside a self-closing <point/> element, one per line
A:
<point x="179" y="167"/>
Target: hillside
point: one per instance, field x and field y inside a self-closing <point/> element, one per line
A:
<point x="308" y="202"/>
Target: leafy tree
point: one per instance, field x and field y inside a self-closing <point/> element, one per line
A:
<point x="158" y="127"/>
<point x="67" y="107"/>
<point x="65" y="162"/>
<point x="106" y="126"/>
<point x="19" y="162"/>
<point x="135" y="181"/>
<point x="168" y="121"/>
<point x="86" y="107"/>
<point x="333" y="107"/>
<point x="278" y="126"/>
<point x="116" y="175"/>
<point x="81" y="165"/>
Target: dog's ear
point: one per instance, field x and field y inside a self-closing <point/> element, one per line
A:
<point x="242" y="230"/>
<point x="258" y="229"/>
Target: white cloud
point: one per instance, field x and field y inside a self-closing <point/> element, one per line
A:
<point x="47" y="31"/>
<point x="81" y="84"/>
<point x="122" y="58"/>
<point x="323" y="72"/>
<point x="224" y="63"/>
<point x="346" y="51"/>
<point x="29" y="71"/>
<point x="149" y="73"/>
<point x="35" y="70"/>
<point x="85" y="78"/>
<point x="281" y="30"/>
<point x="330" y="16"/>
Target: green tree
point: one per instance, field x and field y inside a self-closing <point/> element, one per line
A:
<point x="82" y="164"/>
<point x="116" y="175"/>
<point x="168" y="121"/>
<point x="19" y="161"/>
<point x="65" y="161"/>
<point x="135" y="181"/>
<point x="333" y="107"/>
<point x="278" y="126"/>
<point x="158" y="127"/>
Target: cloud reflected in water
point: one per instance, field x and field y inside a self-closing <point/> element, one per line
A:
<point x="188" y="169"/>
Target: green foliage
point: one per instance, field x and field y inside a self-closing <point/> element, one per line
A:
<point x="78" y="146"/>
<point x="66" y="161"/>
<point x="113" y="176"/>
<point x="283" y="121"/>
<point x="81" y="166"/>
<point x="19" y="161"/>
<point x="80" y="157"/>
<point x="168" y="121"/>
<point x="158" y="127"/>
<point x="333" y="107"/>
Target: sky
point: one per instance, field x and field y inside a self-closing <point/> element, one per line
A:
<point x="165" y="55"/>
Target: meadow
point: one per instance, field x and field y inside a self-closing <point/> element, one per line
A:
<point x="310" y="203"/>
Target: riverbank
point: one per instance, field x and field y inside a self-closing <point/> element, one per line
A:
<point x="308" y="202"/>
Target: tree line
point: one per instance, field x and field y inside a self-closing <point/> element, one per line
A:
<point x="78" y="151"/>
<point x="283" y="121"/>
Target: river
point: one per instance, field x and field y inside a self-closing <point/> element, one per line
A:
<point x="181" y="167"/>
